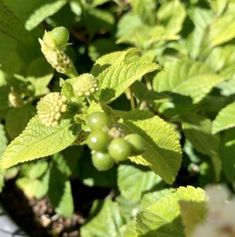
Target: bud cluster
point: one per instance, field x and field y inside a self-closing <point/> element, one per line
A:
<point x="51" y="108"/>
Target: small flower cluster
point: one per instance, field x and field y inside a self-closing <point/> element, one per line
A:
<point x="51" y="108"/>
<point x="220" y="221"/>
<point x="85" y="85"/>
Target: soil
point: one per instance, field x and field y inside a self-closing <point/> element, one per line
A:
<point x="37" y="217"/>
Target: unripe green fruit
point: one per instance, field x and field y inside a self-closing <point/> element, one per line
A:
<point x="60" y="36"/>
<point x="102" y="161"/>
<point x="98" y="140"/>
<point x="98" y="120"/>
<point x="137" y="143"/>
<point x="119" y="149"/>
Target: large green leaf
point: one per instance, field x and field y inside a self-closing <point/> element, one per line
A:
<point x="162" y="218"/>
<point x="227" y="151"/>
<point x="106" y="223"/>
<point x="225" y="119"/>
<point x="130" y="189"/>
<point x="187" y="78"/>
<point x="38" y="141"/>
<point x="163" y="152"/>
<point x="117" y="78"/>
<point x="222" y="29"/>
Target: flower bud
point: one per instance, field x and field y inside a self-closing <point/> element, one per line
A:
<point x="51" y="108"/>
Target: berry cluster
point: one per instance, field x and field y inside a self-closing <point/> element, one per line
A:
<point x="109" y="144"/>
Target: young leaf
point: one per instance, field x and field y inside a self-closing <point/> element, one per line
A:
<point x="106" y="223"/>
<point x="225" y="119"/>
<point x="38" y="141"/>
<point x="117" y="78"/>
<point x="130" y="189"/>
<point x="163" y="152"/>
<point x="187" y="78"/>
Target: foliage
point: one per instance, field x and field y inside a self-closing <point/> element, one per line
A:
<point x="139" y="98"/>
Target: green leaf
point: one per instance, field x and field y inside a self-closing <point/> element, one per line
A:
<point x="227" y="151"/>
<point x="34" y="170"/>
<point x="32" y="188"/>
<point x="106" y="223"/>
<point x="187" y="78"/>
<point x="10" y="24"/>
<point x="17" y="119"/>
<point x="159" y="220"/>
<point x="129" y="188"/>
<point x="163" y="152"/>
<point x="60" y="192"/>
<point x="222" y="29"/>
<point x="3" y="140"/>
<point x="44" y="11"/>
<point x="117" y="78"/>
<point x="225" y="119"/>
<point x="192" y="214"/>
<point x="198" y="131"/>
<point x="38" y="141"/>
<point x="172" y="15"/>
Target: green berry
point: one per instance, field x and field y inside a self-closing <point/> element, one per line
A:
<point x="137" y="143"/>
<point x="98" y="120"/>
<point x="98" y="140"/>
<point x="102" y="161"/>
<point x="119" y="149"/>
<point x="60" y="36"/>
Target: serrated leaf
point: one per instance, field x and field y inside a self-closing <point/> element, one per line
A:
<point x="222" y="29"/>
<point x="227" y="151"/>
<point x="225" y="119"/>
<point x="38" y="141"/>
<point x="117" y="78"/>
<point x="44" y="11"/>
<point x="187" y="78"/>
<point x="159" y="220"/>
<point x="106" y="223"/>
<point x="163" y="151"/>
<point x="129" y="188"/>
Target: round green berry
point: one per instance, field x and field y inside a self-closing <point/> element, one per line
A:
<point x="98" y="140"/>
<point x="60" y="36"/>
<point x="102" y="161"/>
<point x="137" y="143"/>
<point x="98" y="120"/>
<point x="119" y="149"/>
